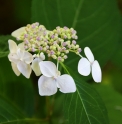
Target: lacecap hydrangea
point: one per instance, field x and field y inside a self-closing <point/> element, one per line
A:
<point x="37" y="50"/>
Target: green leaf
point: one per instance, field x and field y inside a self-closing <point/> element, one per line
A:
<point x="17" y="102"/>
<point x="85" y="106"/>
<point x="11" y="114"/>
<point x="4" y="45"/>
<point x="17" y="89"/>
<point x="117" y="56"/>
<point x="97" y="23"/>
<point x="113" y="102"/>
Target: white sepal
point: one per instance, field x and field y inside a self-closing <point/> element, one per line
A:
<point x="13" y="58"/>
<point x="89" y="54"/>
<point x="21" y="46"/>
<point x="42" y="56"/>
<point x="12" y="46"/>
<point x="20" y="54"/>
<point x="35" y="66"/>
<point x="48" y="68"/>
<point x="47" y="86"/>
<point x="15" y="69"/>
<point x="17" y="33"/>
<point x="24" y="68"/>
<point x="27" y="57"/>
<point x="96" y="72"/>
<point x="66" y="84"/>
<point x="84" y="67"/>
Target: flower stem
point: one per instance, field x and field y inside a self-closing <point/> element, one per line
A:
<point x="57" y="64"/>
<point x="49" y="106"/>
<point x="75" y="53"/>
<point x="64" y="68"/>
<point x="80" y="55"/>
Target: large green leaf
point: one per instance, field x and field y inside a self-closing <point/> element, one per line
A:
<point x="17" y="102"/>
<point x="12" y="114"/>
<point x="17" y="89"/>
<point x="85" y="106"/>
<point x="96" y="21"/>
<point x="113" y="102"/>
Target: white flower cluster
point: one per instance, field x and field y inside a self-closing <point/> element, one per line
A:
<point x="39" y="43"/>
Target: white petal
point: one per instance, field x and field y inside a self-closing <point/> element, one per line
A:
<point x="15" y="69"/>
<point x="20" y="54"/>
<point x="17" y="33"/>
<point x="48" y="68"/>
<point x="42" y="56"/>
<point x="24" y="68"/>
<point x="96" y="72"/>
<point x="35" y="66"/>
<point x="12" y="46"/>
<point x="27" y="57"/>
<point x="13" y="58"/>
<point x="47" y="86"/>
<point x="84" y="67"/>
<point x="89" y="54"/>
<point x="66" y="83"/>
<point x="21" y="46"/>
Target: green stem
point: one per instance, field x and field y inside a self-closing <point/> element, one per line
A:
<point x="64" y="68"/>
<point x="75" y="53"/>
<point x="57" y="64"/>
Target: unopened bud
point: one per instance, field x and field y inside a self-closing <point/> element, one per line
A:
<point x="62" y="60"/>
<point x="58" y="53"/>
<point x="65" y="57"/>
<point x="54" y="56"/>
<point x="77" y="46"/>
<point x="66" y="51"/>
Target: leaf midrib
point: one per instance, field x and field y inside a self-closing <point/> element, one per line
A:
<point x="84" y="106"/>
<point x="77" y="13"/>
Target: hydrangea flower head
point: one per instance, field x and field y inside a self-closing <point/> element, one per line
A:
<point x="39" y="44"/>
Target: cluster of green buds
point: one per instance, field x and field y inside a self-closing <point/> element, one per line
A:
<point x="35" y="37"/>
<point x="56" y="44"/>
<point x="62" y="41"/>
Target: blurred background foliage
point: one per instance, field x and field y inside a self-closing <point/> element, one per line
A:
<point x="22" y="94"/>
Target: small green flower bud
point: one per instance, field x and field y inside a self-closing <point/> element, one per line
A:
<point x="77" y="46"/>
<point x="54" y="30"/>
<point x="52" y="40"/>
<point x="62" y="60"/>
<point x="69" y="37"/>
<point x="65" y="57"/>
<point x="58" y="53"/>
<point x="62" y="54"/>
<point x="66" y="51"/>
<point x="44" y="48"/>
<point x="73" y="46"/>
<point x="45" y="43"/>
<point x="53" y="48"/>
<point x="57" y="45"/>
<point x="54" y="56"/>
